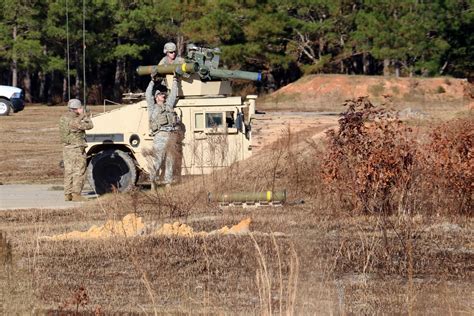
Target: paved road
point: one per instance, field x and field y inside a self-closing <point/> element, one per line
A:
<point x="25" y="196"/>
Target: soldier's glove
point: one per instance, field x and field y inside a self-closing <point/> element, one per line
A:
<point x="178" y="73"/>
<point x="154" y="75"/>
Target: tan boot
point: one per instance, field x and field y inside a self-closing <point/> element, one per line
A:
<point x="67" y="197"/>
<point x="78" y="198"/>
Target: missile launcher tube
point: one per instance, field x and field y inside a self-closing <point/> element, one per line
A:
<point x="235" y="74"/>
<point x="168" y="69"/>
<point x="195" y="68"/>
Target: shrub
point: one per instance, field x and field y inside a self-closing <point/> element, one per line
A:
<point x="376" y="90"/>
<point x="440" y="90"/>
<point x="368" y="157"/>
<point x="449" y="162"/>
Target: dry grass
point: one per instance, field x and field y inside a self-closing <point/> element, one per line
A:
<point x="311" y="258"/>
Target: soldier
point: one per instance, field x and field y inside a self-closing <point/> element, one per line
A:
<point x="72" y="127"/>
<point x="164" y="124"/>
<point x="171" y="55"/>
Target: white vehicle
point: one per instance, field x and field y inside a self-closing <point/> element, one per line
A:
<point x="11" y="99"/>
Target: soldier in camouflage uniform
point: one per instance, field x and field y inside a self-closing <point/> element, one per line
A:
<point x="171" y="55"/>
<point x="72" y="127"/>
<point x="164" y="123"/>
<point x="175" y="142"/>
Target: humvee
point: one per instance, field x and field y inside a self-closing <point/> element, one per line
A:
<point x="217" y="130"/>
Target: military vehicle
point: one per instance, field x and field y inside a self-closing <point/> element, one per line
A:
<point x="217" y="125"/>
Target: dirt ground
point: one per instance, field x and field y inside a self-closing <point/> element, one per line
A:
<point x="304" y="257"/>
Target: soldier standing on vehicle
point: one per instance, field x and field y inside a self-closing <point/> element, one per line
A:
<point x="171" y="55"/>
<point x="72" y="127"/>
<point x="164" y="123"/>
<point x="175" y="142"/>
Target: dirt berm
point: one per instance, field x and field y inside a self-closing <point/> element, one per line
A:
<point x="328" y="92"/>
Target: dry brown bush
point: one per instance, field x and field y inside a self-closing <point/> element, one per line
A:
<point x="368" y="158"/>
<point x="450" y="165"/>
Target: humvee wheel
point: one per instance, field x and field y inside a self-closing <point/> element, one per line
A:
<point x="111" y="170"/>
<point x="5" y="107"/>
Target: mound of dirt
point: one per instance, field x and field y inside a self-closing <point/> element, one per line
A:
<point x="131" y="225"/>
<point x="178" y="229"/>
<point x="324" y="92"/>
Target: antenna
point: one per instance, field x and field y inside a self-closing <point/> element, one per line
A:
<point x="67" y="50"/>
<point x="84" y="49"/>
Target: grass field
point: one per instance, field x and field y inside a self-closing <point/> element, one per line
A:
<point x="331" y="249"/>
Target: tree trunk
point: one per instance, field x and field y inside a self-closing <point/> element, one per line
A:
<point x="386" y="67"/>
<point x="67" y="77"/>
<point x="321" y="48"/>
<point x="365" y="64"/>
<point x="180" y="44"/>
<point x="49" y="99"/>
<point x="14" y="66"/>
<point x="65" y="86"/>
<point x="341" y="39"/>
<point x="42" y="79"/>
<point x="42" y="86"/>
<point x="125" y="82"/>
<point x="397" y="69"/>
<point x="118" y="76"/>
<point x="27" y="86"/>
<point x="355" y="65"/>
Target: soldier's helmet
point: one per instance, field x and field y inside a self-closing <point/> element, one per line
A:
<point x="74" y="104"/>
<point x="160" y="88"/>
<point x="169" y="47"/>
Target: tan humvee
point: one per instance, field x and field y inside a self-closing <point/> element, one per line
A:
<point x="218" y="133"/>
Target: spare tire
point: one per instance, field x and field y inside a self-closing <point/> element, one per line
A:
<point x="112" y="170"/>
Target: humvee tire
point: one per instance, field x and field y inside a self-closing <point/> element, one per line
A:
<point x="5" y="107"/>
<point x="111" y="170"/>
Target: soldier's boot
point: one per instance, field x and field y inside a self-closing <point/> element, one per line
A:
<point x="67" y="197"/>
<point x="78" y="198"/>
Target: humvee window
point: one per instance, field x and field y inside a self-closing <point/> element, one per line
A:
<point x="229" y="119"/>
<point x="214" y="120"/>
<point x="198" y="121"/>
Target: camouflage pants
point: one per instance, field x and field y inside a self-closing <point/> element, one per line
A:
<point x="176" y="150"/>
<point x="74" y="169"/>
<point x="162" y="161"/>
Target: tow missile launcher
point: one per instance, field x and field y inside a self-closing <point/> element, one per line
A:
<point x="217" y="125"/>
<point x="205" y="63"/>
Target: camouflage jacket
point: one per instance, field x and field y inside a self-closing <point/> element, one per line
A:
<point x="72" y="129"/>
<point x="157" y="111"/>
<point x="178" y="60"/>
